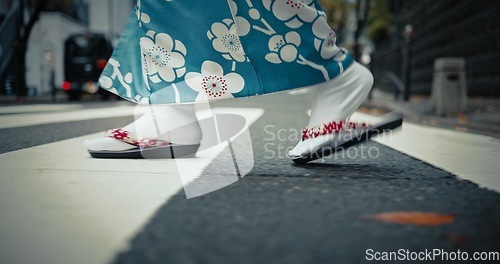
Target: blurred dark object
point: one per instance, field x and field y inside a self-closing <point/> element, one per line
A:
<point x="445" y="28"/>
<point x="85" y="56"/>
<point x="362" y="9"/>
<point x="17" y="18"/>
<point x="14" y="34"/>
<point x="379" y="28"/>
<point x="8" y="35"/>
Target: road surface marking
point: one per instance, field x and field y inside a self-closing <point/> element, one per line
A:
<point x="469" y="156"/>
<point x="22" y="120"/>
<point x="20" y="109"/>
<point x="61" y="206"/>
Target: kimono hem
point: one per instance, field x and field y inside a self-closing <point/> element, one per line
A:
<point x="184" y="51"/>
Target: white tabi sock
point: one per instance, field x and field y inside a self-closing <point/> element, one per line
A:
<point x="335" y="101"/>
<point x="173" y="123"/>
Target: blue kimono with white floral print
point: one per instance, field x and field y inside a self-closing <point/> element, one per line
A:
<point x="180" y="51"/>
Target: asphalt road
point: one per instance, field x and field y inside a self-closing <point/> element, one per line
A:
<point x="284" y="213"/>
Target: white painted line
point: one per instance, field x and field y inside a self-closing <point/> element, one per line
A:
<point x="469" y="156"/>
<point x="21" y="120"/>
<point x="58" y="205"/>
<point x="18" y="109"/>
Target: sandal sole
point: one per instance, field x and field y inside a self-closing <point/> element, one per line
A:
<point x="166" y="152"/>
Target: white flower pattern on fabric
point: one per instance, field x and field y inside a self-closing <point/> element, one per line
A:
<point x="294" y="12"/>
<point x="225" y="40"/>
<point x="242" y="24"/>
<point x="125" y="81"/>
<point x="141" y="16"/>
<point x="283" y="49"/>
<point x="326" y="40"/>
<point x="163" y="58"/>
<point x="211" y="83"/>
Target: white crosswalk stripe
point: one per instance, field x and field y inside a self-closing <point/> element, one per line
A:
<point x="469" y="156"/>
<point x="30" y="119"/>
<point x="55" y="198"/>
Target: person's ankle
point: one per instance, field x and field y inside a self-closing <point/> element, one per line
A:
<point x="188" y="134"/>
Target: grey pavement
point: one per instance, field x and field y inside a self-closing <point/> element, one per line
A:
<point x="284" y="213"/>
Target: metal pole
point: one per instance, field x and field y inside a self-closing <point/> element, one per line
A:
<point x="20" y="55"/>
<point x="397" y="45"/>
<point x="407" y="62"/>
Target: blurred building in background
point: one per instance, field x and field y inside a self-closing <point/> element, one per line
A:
<point x="44" y="70"/>
<point x="398" y="39"/>
<point x="410" y="35"/>
<point x="45" y="54"/>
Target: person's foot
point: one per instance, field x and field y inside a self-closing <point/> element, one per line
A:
<point x="333" y="103"/>
<point x="329" y="138"/>
<point x="326" y="135"/>
<point x="159" y="124"/>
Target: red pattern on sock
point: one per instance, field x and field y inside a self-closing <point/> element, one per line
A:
<point x="329" y="128"/>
